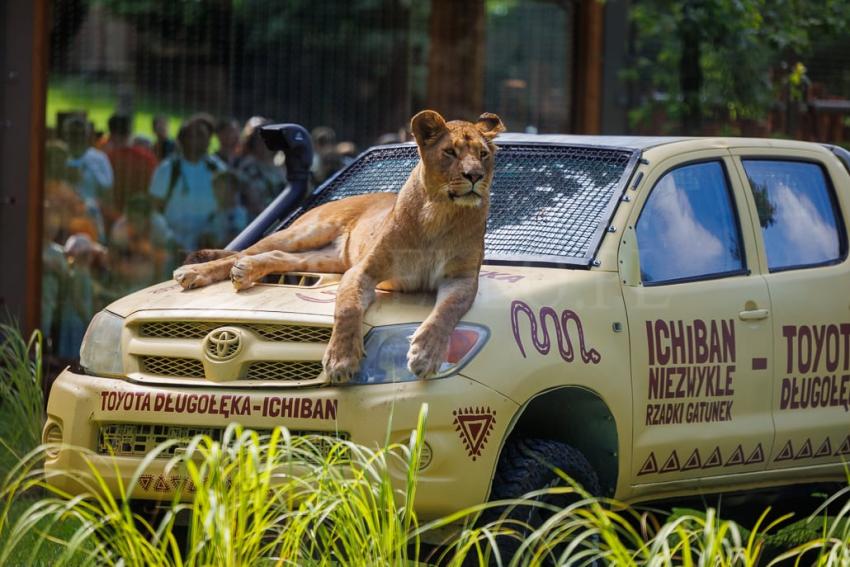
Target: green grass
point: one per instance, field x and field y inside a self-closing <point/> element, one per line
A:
<point x="275" y="499"/>
<point x="100" y="100"/>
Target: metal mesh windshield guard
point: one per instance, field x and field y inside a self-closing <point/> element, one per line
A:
<point x="549" y="204"/>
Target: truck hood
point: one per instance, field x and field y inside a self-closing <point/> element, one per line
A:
<point x="499" y="286"/>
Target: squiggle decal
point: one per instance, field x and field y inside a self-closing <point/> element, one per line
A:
<point x="565" y="345"/>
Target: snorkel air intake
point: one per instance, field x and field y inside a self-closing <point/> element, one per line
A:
<point x="294" y="141"/>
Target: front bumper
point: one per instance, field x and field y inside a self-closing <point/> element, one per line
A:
<point x="466" y="420"/>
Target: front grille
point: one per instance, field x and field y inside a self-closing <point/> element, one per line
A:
<point x="173" y="366"/>
<point x="283" y="370"/>
<point x="138" y="439"/>
<point x="269" y="332"/>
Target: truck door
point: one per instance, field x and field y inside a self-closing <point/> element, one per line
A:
<point x="804" y="239"/>
<point x="699" y="323"/>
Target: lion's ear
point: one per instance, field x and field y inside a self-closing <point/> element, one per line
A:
<point x="427" y="126"/>
<point x="490" y="125"/>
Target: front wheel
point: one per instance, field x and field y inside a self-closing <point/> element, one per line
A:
<point x="527" y="465"/>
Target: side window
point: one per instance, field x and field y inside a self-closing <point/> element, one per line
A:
<point x="688" y="228"/>
<point x="797" y="212"/>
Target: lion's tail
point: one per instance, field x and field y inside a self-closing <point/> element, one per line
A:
<point x="207" y="255"/>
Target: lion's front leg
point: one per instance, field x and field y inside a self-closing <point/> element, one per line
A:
<point x="345" y="350"/>
<point x="431" y="340"/>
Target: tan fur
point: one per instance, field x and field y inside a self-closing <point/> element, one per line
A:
<point x="429" y="237"/>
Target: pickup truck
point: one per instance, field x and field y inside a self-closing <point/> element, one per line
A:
<point x="656" y="316"/>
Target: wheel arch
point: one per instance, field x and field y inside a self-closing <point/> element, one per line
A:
<point x="578" y="417"/>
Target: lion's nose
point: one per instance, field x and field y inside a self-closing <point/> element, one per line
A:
<point x="473" y="177"/>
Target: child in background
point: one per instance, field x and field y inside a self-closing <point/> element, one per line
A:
<point x="79" y="301"/>
<point x="229" y="218"/>
<point x="54" y="275"/>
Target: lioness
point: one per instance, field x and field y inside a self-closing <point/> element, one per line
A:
<point x="428" y="237"/>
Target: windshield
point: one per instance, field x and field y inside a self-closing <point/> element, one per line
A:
<point x="549" y="203"/>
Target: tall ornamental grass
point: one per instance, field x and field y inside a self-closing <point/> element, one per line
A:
<point x="257" y="499"/>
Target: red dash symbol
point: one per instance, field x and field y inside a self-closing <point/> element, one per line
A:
<point x="258" y="407"/>
<point x="759" y="363"/>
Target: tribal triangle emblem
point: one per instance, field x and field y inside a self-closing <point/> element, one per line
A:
<point x="845" y="447"/>
<point x="786" y="453"/>
<point x="649" y="466"/>
<point x="757" y="456"/>
<point x="805" y="451"/>
<point x="671" y="464"/>
<point x="714" y="459"/>
<point x="693" y="462"/>
<point x="736" y="458"/>
<point x="162" y="484"/>
<point x="474" y="426"/>
<point x="145" y="481"/>
<point x="825" y="449"/>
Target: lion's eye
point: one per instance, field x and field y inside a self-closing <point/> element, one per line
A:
<point x="450" y="152"/>
<point x="485" y="154"/>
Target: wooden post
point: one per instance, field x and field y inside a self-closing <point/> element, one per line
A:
<point x="23" y="74"/>
<point x="590" y="31"/>
<point x="456" y="58"/>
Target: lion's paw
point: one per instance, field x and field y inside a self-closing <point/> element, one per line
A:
<point x="341" y="363"/>
<point x="190" y="277"/>
<point x="426" y="354"/>
<point x="241" y="274"/>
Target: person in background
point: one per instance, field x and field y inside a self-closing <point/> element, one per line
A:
<point x="182" y="184"/>
<point x="326" y="159"/>
<point x="132" y="167"/>
<point x="89" y="170"/>
<point x="230" y="217"/>
<point x="163" y="146"/>
<point x="262" y="180"/>
<point x="141" y="244"/>
<point x="54" y="274"/>
<point x="227" y="132"/>
<point x="78" y="306"/>
<point x="65" y="202"/>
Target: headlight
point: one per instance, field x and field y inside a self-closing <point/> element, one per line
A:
<point x="387" y="346"/>
<point x="100" y="353"/>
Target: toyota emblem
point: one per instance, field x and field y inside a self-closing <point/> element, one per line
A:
<point x="223" y="343"/>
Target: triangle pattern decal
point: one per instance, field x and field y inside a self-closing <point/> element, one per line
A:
<point x="649" y="466"/>
<point x="736" y="458"/>
<point x="671" y="464"/>
<point x="161" y="484"/>
<point x="757" y="456"/>
<point x="845" y="447"/>
<point x="145" y="481"/>
<point x="805" y="451"/>
<point x="825" y="449"/>
<point x="714" y="459"/>
<point x="786" y="453"/>
<point x="693" y="462"/>
<point x="474" y="426"/>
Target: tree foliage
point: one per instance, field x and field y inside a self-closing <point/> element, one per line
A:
<point x="723" y="59"/>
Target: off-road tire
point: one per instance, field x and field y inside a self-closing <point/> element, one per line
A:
<point x="526" y="465"/>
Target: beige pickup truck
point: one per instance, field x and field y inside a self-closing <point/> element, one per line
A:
<point x="656" y="316"/>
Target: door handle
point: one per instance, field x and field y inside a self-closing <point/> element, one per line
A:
<point x="753" y="315"/>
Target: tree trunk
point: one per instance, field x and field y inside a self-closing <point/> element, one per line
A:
<point x="456" y="58"/>
<point x="690" y="73"/>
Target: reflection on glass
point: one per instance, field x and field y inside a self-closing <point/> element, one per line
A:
<point x="796" y="213"/>
<point x="688" y="228"/>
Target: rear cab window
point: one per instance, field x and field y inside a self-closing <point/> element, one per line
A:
<point x="798" y="213"/>
<point x="689" y="228"/>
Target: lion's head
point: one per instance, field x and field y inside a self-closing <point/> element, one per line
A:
<point x="457" y="156"/>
